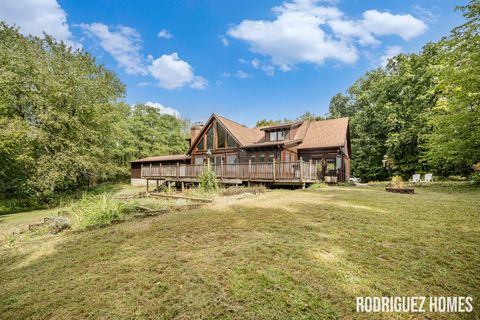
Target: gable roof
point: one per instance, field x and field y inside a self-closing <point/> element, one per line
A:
<point x="325" y="133"/>
<point x="320" y="134"/>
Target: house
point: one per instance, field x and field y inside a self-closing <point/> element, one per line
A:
<point x="295" y="153"/>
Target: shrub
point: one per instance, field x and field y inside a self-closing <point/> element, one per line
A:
<point x="208" y="180"/>
<point x="456" y="178"/>
<point x="316" y="186"/>
<point x="98" y="210"/>
<point x="475" y="178"/>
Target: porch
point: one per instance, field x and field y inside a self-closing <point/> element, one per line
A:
<point x="275" y="172"/>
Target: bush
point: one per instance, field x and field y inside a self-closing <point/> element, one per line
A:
<point x="475" y="178"/>
<point x="456" y="178"/>
<point x="317" y="186"/>
<point x="208" y="180"/>
<point x="98" y="210"/>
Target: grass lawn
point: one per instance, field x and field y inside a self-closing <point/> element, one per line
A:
<point x="282" y="254"/>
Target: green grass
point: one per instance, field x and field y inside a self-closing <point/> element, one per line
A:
<point x="281" y="254"/>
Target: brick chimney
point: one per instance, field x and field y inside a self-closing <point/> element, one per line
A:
<point x="195" y="131"/>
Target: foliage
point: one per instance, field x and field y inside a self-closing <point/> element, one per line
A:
<point x="317" y="186"/>
<point x="475" y="178"/>
<point x="208" y="180"/>
<point x="305" y="116"/>
<point x="99" y="210"/>
<point x="422" y="110"/>
<point x="62" y="125"/>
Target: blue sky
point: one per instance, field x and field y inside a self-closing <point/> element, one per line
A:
<point x="246" y="60"/>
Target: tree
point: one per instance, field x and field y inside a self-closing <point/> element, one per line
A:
<point x="340" y="106"/>
<point x="58" y="104"/>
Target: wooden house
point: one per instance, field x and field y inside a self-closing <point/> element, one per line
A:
<point x="295" y="153"/>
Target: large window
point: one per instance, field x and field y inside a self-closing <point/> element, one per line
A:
<point x="199" y="160"/>
<point x="200" y="145"/>
<point x="210" y="138"/>
<point x="231" y="142"/>
<point x="220" y="137"/>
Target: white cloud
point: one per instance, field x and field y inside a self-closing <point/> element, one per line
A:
<point x="172" y="72"/>
<point x="162" y="109"/>
<point x="225" y="42"/>
<point x="226" y="75"/>
<point x="242" y="74"/>
<point x="385" y="23"/>
<point x="164" y="33"/>
<point x="123" y="43"/>
<point x="35" y="16"/>
<point x="390" y="52"/>
<point x="306" y="32"/>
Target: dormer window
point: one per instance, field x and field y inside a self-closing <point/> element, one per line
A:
<point x="277" y="135"/>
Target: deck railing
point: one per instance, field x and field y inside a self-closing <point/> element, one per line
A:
<point x="270" y="171"/>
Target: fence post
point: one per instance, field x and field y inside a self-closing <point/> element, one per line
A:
<point x="249" y="169"/>
<point x="141" y="170"/>
<point x="178" y="169"/>
<point x="150" y="170"/>
<point x="301" y="168"/>
<point x="273" y="167"/>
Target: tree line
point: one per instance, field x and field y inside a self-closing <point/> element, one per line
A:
<point x="63" y="122"/>
<point x="420" y="113"/>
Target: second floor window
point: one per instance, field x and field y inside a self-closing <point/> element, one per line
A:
<point x="278" y="135"/>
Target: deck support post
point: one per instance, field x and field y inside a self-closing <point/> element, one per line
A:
<point x="303" y="186"/>
<point x="147" y="185"/>
<point x="221" y="167"/>
<point x="310" y="169"/>
<point x="273" y="169"/>
<point x="249" y="169"/>
<point x="183" y="186"/>
<point x="158" y="186"/>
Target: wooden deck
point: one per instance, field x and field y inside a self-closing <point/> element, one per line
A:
<point x="267" y="172"/>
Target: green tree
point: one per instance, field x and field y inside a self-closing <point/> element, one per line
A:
<point x="58" y="104"/>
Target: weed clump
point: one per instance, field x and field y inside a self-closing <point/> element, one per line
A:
<point x="208" y="180"/>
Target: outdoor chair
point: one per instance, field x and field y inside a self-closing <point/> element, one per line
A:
<point x="415" y="178"/>
<point x="428" y="177"/>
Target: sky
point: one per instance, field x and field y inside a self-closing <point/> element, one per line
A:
<point x="245" y="60"/>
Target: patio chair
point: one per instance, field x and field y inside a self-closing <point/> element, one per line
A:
<point x="415" y="178"/>
<point x="428" y="177"/>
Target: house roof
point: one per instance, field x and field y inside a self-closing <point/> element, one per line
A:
<point x="282" y="125"/>
<point x="173" y="157"/>
<point x="308" y="135"/>
<point x="243" y="134"/>
<point x="325" y="133"/>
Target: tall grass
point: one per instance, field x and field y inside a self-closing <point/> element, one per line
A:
<point x="98" y="210"/>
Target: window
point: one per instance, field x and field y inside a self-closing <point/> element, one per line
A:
<point x="220" y="137"/>
<point x="278" y="135"/>
<point x="231" y="158"/>
<point x="271" y="156"/>
<point x="253" y="158"/>
<point x="210" y="138"/>
<point x="231" y="142"/>
<point x="200" y="145"/>
<point x="199" y="160"/>
<point x="281" y="135"/>
<point x="261" y="157"/>
<point x="273" y="135"/>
